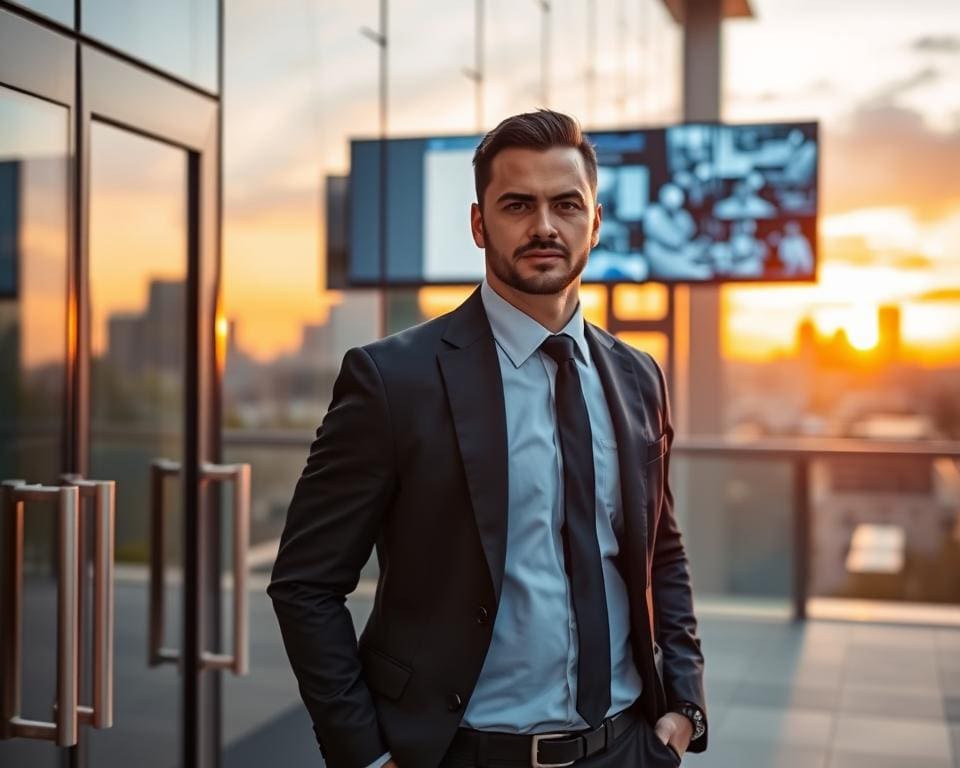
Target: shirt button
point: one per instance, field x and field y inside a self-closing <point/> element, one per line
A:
<point x="454" y="702"/>
<point x="483" y="615"/>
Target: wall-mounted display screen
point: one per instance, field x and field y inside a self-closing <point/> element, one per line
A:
<point x="686" y="203"/>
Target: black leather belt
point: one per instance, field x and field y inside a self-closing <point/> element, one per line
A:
<point x="543" y="750"/>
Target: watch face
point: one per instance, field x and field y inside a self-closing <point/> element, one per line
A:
<point x="695" y="716"/>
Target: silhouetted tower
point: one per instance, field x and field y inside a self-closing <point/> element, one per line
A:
<point x="807" y="342"/>
<point x="888" y="322"/>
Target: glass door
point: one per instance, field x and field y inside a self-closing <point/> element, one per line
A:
<point x="33" y="358"/>
<point x="112" y="646"/>
<point x="149" y="260"/>
<point x="36" y="153"/>
<point x="137" y="263"/>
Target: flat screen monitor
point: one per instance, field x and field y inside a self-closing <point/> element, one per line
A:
<point x="690" y="203"/>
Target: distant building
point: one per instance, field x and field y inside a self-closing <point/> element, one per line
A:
<point x="888" y="346"/>
<point x="150" y="341"/>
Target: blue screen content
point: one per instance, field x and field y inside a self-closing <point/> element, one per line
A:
<point x="686" y="203"/>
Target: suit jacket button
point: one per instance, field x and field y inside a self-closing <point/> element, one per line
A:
<point x="454" y="702"/>
<point x="483" y="615"/>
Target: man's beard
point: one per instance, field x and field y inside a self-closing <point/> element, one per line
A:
<point x="542" y="283"/>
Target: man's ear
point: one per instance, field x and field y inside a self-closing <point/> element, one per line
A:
<point x="476" y="225"/>
<point x="597" y="218"/>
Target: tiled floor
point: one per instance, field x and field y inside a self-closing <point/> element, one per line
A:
<point x="820" y="694"/>
<point x="830" y="695"/>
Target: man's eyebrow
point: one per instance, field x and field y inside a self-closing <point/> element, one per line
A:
<point x="519" y="196"/>
<point x="568" y="194"/>
<point x="525" y="198"/>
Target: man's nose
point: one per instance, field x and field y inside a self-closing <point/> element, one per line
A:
<point x="542" y="226"/>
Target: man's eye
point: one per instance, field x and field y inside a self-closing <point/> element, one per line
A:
<point x="568" y="205"/>
<point x="515" y="206"/>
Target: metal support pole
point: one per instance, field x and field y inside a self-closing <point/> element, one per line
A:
<point x="801" y="537"/>
<point x="622" y="51"/>
<point x="545" y="53"/>
<point x="478" y="64"/>
<point x="591" y="71"/>
<point x="379" y="37"/>
<point x="476" y="74"/>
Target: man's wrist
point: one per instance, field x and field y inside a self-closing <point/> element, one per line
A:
<point x="694" y="714"/>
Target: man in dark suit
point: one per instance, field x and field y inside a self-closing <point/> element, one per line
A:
<point x="509" y="461"/>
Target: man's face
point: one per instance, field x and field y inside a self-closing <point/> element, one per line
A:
<point x="539" y="219"/>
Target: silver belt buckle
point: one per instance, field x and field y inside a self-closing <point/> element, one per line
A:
<point x="535" y="750"/>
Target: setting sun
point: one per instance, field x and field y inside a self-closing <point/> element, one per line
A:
<point x="862" y="329"/>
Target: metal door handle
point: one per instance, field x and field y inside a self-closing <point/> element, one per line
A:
<point x="160" y="470"/>
<point x="239" y="474"/>
<point x="102" y="495"/>
<point x="63" y="730"/>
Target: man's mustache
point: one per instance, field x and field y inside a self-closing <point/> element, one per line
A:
<point x="540" y="245"/>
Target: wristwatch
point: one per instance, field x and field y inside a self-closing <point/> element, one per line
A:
<point x="694" y="714"/>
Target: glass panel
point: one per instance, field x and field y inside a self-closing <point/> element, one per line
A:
<point x="178" y="36"/>
<point x="870" y="350"/>
<point x="138" y="265"/>
<point x="33" y="292"/>
<point x="885" y="529"/>
<point x="736" y="520"/>
<point x="58" y="10"/>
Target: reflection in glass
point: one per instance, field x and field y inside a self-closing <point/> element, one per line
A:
<point x="33" y="274"/>
<point x="137" y="267"/>
<point x="738" y="544"/>
<point x="884" y="529"/>
<point x="137" y="274"/>
<point x="178" y="36"/>
<point x="33" y="294"/>
<point x="58" y="10"/>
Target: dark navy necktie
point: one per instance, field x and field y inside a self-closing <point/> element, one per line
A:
<point x="579" y="531"/>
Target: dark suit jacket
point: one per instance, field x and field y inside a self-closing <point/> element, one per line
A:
<point x="412" y="457"/>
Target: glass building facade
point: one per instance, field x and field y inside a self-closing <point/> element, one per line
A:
<point x="109" y="281"/>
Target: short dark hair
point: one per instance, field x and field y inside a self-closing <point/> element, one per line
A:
<point x="540" y="130"/>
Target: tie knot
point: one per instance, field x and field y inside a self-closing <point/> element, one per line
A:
<point x="560" y="347"/>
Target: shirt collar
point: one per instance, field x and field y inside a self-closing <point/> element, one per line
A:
<point x="519" y="335"/>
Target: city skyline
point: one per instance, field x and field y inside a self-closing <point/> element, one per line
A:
<point x="890" y="229"/>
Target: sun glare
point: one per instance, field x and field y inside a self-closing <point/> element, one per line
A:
<point x="862" y="330"/>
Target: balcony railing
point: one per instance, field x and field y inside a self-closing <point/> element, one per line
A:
<point x="801" y="453"/>
<point x="784" y="480"/>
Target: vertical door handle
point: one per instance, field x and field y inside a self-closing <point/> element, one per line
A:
<point x="102" y="496"/>
<point x="239" y="474"/>
<point x="160" y="470"/>
<point x="63" y="730"/>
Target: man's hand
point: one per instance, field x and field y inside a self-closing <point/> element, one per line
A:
<point x="390" y="764"/>
<point x="676" y="730"/>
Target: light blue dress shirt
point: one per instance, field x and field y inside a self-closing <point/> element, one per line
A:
<point x="528" y="683"/>
<point x="529" y="679"/>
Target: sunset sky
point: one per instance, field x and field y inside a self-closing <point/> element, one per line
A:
<point x="882" y="76"/>
<point x="888" y="98"/>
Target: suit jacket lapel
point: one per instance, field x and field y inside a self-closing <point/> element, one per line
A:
<point x="625" y="402"/>
<point x="471" y="373"/>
